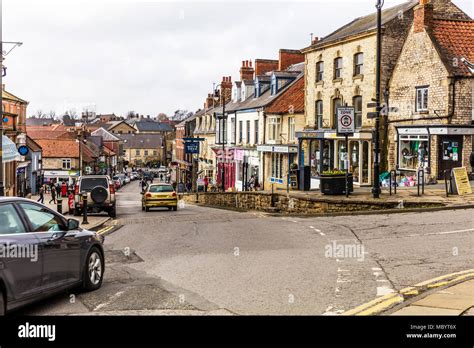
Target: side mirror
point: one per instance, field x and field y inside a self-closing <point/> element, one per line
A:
<point x="72" y="224"/>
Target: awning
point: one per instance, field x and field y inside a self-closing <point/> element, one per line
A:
<point x="23" y="164"/>
<point x="10" y="153"/>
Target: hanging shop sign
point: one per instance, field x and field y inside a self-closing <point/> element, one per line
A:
<point x="191" y="146"/>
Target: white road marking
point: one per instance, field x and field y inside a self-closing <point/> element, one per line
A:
<point x="112" y="298"/>
<point x="441" y="233"/>
<point x="383" y="290"/>
<point x="376" y="269"/>
<point x="321" y="233"/>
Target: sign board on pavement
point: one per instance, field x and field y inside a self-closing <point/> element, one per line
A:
<point x="345" y="120"/>
<point x="461" y="180"/>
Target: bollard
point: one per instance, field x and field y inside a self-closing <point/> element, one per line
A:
<point x="393" y="181"/>
<point x="84" y="208"/>
<point x="59" y="204"/>
<point x="421" y="179"/>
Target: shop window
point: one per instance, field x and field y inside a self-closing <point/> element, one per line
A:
<point x="67" y="163"/>
<point x="336" y="102"/>
<point x="357" y="102"/>
<point x="338" y="68"/>
<point x="319" y="114"/>
<point x="365" y="162"/>
<point x="291" y="129"/>
<point x="277" y="165"/>
<point x="342" y="155"/>
<point x="422" y="99"/>
<point x="413" y="151"/>
<point x="358" y="64"/>
<point x="274" y="124"/>
<point x="354" y="160"/>
<point x="319" y="71"/>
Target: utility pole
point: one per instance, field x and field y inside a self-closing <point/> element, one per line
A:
<point x="376" y="184"/>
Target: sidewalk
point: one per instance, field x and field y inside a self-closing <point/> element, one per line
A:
<point x="94" y="220"/>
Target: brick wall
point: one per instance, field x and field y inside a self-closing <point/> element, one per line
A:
<point x="265" y="65"/>
<point x="289" y="57"/>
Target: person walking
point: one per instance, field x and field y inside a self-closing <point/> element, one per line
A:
<point x="41" y="194"/>
<point x="206" y="183"/>
<point x="251" y="183"/>
<point x="64" y="189"/>
<point x="53" y="195"/>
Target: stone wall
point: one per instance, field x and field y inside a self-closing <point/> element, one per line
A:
<point x="283" y="203"/>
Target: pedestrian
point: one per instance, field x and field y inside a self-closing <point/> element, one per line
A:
<point x="251" y="183"/>
<point x="53" y="195"/>
<point x="189" y="186"/>
<point x="41" y="194"/>
<point x="206" y="183"/>
<point x="143" y="184"/>
<point x="64" y="189"/>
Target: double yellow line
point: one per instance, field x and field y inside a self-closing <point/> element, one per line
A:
<point x="105" y="230"/>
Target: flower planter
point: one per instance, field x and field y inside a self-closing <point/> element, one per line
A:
<point x="335" y="184"/>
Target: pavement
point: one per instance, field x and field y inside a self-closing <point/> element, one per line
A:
<point x="94" y="220"/>
<point x="206" y="261"/>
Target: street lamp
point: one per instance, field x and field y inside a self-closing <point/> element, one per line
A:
<point x="3" y="73"/>
<point x="221" y="95"/>
<point x="376" y="185"/>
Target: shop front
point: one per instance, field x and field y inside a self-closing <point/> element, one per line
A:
<point x="324" y="150"/>
<point x="67" y="176"/>
<point x="279" y="169"/>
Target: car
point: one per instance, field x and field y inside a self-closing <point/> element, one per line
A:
<point x="127" y="180"/>
<point x="159" y="195"/>
<point x="100" y="191"/>
<point x="122" y="178"/>
<point x="52" y="254"/>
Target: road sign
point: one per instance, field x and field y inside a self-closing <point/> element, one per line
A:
<point x="191" y="147"/>
<point x="23" y="150"/>
<point x="345" y="120"/>
<point x="274" y="180"/>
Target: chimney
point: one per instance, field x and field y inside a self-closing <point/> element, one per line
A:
<point x="263" y="66"/>
<point x="315" y="40"/>
<point x="423" y="14"/>
<point x="226" y="87"/>
<point x="246" y="71"/>
<point x="289" y="57"/>
<point x="209" y="101"/>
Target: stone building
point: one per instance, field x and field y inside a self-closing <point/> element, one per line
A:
<point x="143" y="149"/>
<point x="432" y="87"/>
<point x="340" y="71"/>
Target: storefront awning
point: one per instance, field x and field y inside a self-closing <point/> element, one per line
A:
<point x="10" y="153"/>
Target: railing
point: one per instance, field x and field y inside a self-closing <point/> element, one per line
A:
<point x="393" y="181"/>
<point x="421" y="181"/>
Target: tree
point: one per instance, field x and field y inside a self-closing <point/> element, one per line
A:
<point x="180" y="115"/>
<point x="130" y="114"/>
<point x="71" y="113"/>
<point x="162" y="117"/>
<point x="40" y="114"/>
<point x="52" y="114"/>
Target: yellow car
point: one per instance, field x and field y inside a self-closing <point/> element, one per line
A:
<point x="159" y="195"/>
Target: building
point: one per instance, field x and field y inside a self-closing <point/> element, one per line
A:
<point x="112" y="150"/>
<point x="120" y="127"/>
<point x="433" y="88"/>
<point x="181" y="161"/>
<point x="143" y="149"/>
<point x="29" y="171"/>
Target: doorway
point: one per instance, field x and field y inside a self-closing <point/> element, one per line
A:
<point x="450" y="153"/>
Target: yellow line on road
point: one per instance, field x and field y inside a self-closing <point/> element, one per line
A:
<point x="105" y="229"/>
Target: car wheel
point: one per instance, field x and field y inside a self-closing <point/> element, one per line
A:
<point x="175" y="208"/>
<point x="113" y="212"/>
<point x="93" y="270"/>
<point x="2" y="303"/>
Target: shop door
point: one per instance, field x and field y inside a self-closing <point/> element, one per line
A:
<point x="450" y="153"/>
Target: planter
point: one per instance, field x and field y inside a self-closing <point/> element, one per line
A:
<point x="335" y="184"/>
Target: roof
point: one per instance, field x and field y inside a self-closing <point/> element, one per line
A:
<point x="292" y="99"/>
<point x="455" y="40"/>
<point x="34" y="121"/>
<point x="12" y="97"/>
<point x="141" y="141"/>
<point x="146" y="126"/>
<point x="365" y="24"/>
<point x="106" y="135"/>
<point x="32" y="145"/>
<point x="113" y="124"/>
<point x="59" y="148"/>
<point x="46" y="132"/>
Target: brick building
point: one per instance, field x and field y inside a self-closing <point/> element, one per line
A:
<point x="432" y="88"/>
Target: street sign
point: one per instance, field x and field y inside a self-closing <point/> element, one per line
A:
<point x="23" y="150"/>
<point x="191" y="147"/>
<point x="345" y="120"/>
<point x="274" y="180"/>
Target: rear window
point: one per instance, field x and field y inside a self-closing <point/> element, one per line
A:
<point x="161" y="188"/>
<point x="87" y="184"/>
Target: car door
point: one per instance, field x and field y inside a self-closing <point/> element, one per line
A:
<point x="20" y="259"/>
<point x="60" y="248"/>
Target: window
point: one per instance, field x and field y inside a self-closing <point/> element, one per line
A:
<point x="319" y="71"/>
<point x="232" y="130"/>
<point x="413" y="151"/>
<point x="87" y="184"/>
<point x="338" y="68"/>
<point x="319" y="114"/>
<point x="248" y="132"/>
<point x="67" y="163"/>
<point x="9" y="220"/>
<point x="277" y="165"/>
<point x="256" y="131"/>
<point x="336" y="102"/>
<point x="422" y="99"/>
<point x="358" y="64"/>
<point x="274" y="131"/>
<point x="160" y="188"/>
<point x="146" y="152"/>
<point x="357" y="102"/>
<point x="155" y="153"/>
<point x="241" y="125"/>
<point x="137" y="152"/>
<point x="291" y="129"/>
<point x="42" y="219"/>
<point x="273" y="85"/>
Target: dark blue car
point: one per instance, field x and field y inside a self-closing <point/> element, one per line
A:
<point x="42" y="253"/>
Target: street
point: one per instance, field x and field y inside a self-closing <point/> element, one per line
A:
<point x="211" y="261"/>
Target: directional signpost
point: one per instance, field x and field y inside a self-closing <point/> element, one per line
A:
<point x="346" y="127"/>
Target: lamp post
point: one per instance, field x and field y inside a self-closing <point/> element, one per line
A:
<point x="376" y="185"/>
<point x="3" y="73"/>
<point x="222" y="118"/>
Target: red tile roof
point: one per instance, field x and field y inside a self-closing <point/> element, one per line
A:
<point x="59" y="148"/>
<point x="455" y="40"/>
<point x="290" y="100"/>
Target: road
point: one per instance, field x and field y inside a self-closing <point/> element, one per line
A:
<point x="210" y="261"/>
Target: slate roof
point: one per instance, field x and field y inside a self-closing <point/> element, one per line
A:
<point x="290" y="99"/>
<point x="455" y="40"/>
<point x="141" y="141"/>
<point x="34" y="121"/>
<point x="106" y="135"/>
<point x="146" y="126"/>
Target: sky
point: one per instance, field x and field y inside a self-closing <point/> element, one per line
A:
<point x="152" y="56"/>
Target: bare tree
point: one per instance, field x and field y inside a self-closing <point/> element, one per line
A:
<point x="72" y="113"/>
<point x="130" y="114"/>
<point x="40" y="114"/>
<point x="162" y="117"/>
<point x="52" y="114"/>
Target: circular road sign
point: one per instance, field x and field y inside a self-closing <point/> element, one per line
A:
<point x="23" y="150"/>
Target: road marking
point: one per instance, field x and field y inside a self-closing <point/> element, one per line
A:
<point x="384" y="290"/>
<point x="112" y="298"/>
<point x="105" y="229"/>
<point x="440" y="233"/>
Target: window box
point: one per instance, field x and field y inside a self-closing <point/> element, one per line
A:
<point x="335" y="184"/>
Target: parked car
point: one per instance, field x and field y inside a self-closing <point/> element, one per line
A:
<point x="65" y="256"/>
<point x="100" y="194"/>
<point x="122" y="178"/>
<point x="127" y="179"/>
<point x="159" y="195"/>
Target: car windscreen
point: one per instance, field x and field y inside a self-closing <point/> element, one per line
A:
<point x="87" y="184"/>
<point x="161" y="188"/>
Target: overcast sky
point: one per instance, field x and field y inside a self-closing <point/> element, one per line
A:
<point x="153" y="56"/>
